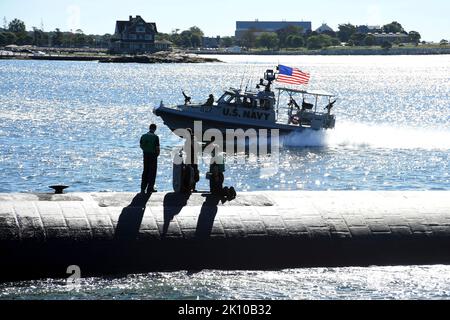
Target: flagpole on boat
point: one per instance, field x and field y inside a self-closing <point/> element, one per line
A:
<point x="278" y="99"/>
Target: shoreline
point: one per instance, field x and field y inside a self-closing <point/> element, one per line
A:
<point x="146" y="59"/>
<point x="338" y="52"/>
<point x="199" y="56"/>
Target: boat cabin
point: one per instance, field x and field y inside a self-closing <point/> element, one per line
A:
<point x="260" y="100"/>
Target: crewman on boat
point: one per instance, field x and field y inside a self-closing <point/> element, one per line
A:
<point x="210" y="100"/>
<point x="330" y="106"/>
<point x="187" y="99"/>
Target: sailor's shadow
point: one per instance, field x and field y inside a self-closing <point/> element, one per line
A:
<point x="131" y="218"/>
<point x="207" y="216"/>
<point x="173" y="204"/>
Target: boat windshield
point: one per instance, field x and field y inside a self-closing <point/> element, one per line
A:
<point x="246" y="100"/>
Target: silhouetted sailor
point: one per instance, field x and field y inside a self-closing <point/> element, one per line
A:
<point x="210" y="100"/>
<point x="187" y="99"/>
<point x="216" y="175"/>
<point x="191" y="149"/>
<point x="330" y="106"/>
<point x="150" y="146"/>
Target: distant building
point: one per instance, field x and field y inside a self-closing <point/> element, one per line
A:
<point x="368" y="29"/>
<point x="163" y="45"/>
<point x="211" y="42"/>
<point x="324" y="28"/>
<point x="390" y="37"/>
<point x="234" y="49"/>
<point x="134" y="36"/>
<point x="268" y="26"/>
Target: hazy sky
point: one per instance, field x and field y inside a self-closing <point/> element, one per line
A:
<point x="431" y="17"/>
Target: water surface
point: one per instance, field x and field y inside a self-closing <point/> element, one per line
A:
<point x="79" y="123"/>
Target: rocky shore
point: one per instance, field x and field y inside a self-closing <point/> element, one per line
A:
<point x="159" y="57"/>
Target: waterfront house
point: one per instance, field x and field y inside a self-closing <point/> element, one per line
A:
<point x="268" y="26"/>
<point x="134" y="36"/>
<point x="163" y="45"/>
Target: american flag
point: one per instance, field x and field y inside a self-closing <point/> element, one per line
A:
<point x="292" y="75"/>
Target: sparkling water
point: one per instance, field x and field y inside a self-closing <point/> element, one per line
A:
<point x="79" y="123"/>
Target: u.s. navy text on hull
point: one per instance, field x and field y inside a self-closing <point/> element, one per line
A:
<point x="248" y="114"/>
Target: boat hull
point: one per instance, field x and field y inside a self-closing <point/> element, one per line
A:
<point x="176" y="119"/>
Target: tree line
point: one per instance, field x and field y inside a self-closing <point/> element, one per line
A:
<point x="15" y="32"/>
<point x="293" y="37"/>
<point x="296" y="37"/>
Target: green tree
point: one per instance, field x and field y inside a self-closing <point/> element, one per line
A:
<point x="5" y="23"/>
<point x="358" y="38"/>
<point x="227" y="42"/>
<point x="17" y="26"/>
<point x="393" y="27"/>
<point x="334" y="41"/>
<point x="104" y="40"/>
<point x="321" y="41"/>
<point x="78" y="38"/>
<point x="10" y="38"/>
<point x="163" y="36"/>
<point x="318" y="42"/>
<point x="185" y="39"/>
<point x="196" y="30"/>
<point x="24" y="38"/>
<point x="346" y="31"/>
<point x="414" y="37"/>
<point x="3" y="41"/>
<point x="295" y="41"/>
<point x="39" y="37"/>
<point x="196" y="40"/>
<point x="443" y="42"/>
<point x="175" y="37"/>
<point x="314" y="42"/>
<point x="331" y="33"/>
<point x="369" y="40"/>
<point x="268" y="40"/>
<point x="58" y="38"/>
<point x="386" y="45"/>
<point x="248" y="39"/>
<point x="285" y="33"/>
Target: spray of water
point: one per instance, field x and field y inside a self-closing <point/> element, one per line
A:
<point x="351" y="135"/>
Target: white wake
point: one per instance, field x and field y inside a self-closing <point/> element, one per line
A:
<point x="352" y="135"/>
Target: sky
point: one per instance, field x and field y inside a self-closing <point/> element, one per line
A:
<point x="430" y="18"/>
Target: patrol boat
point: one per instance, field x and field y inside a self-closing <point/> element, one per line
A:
<point x="259" y="109"/>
